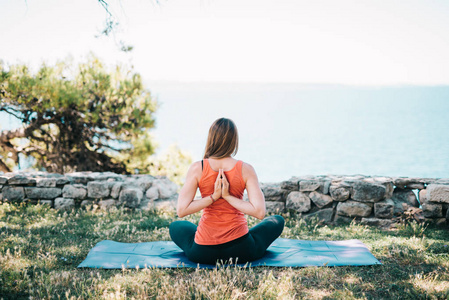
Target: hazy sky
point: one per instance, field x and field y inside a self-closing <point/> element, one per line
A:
<point x="316" y="41"/>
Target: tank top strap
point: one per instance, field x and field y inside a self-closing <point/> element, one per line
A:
<point x="206" y="166"/>
<point x="238" y="174"/>
<point x="238" y="167"/>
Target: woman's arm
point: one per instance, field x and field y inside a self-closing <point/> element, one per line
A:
<point x="256" y="205"/>
<point x="186" y="205"/>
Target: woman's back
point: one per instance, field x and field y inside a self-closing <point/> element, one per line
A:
<point x="222" y="233"/>
<point x="221" y="222"/>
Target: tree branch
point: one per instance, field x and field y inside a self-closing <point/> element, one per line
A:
<point x="7" y="108"/>
<point x="7" y="135"/>
<point x="4" y="167"/>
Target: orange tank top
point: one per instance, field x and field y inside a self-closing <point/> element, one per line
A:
<point x="220" y="221"/>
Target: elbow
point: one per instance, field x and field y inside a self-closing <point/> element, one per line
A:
<point x="260" y="214"/>
<point x="180" y="212"/>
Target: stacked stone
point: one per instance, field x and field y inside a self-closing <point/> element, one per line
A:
<point x="369" y="200"/>
<point x="82" y="188"/>
<point x="435" y="201"/>
<point x="332" y="199"/>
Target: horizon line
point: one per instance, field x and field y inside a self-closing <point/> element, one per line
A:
<point x="361" y="85"/>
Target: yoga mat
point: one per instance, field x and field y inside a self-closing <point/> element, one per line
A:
<point x="282" y="253"/>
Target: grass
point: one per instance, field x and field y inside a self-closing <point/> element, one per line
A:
<point x="41" y="247"/>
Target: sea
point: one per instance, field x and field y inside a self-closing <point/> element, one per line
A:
<point x="291" y="129"/>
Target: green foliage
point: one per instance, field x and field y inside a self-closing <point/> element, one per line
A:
<point x="77" y="117"/>
<point x="173" y="163"/>
<point x="40" y="248"/>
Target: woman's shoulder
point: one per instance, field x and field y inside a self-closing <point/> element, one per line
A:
<point x="196" y="165"/>
<point x="196" y="168"/>
<point x="247" y="170"/>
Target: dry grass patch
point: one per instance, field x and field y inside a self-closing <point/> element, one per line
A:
<point x="41" y="247"/>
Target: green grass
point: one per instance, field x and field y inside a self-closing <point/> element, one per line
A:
<point x="41" y="247"/>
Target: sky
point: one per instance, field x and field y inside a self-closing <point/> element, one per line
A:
<point x="353" y="42"/>
<point x="180" y="42"/>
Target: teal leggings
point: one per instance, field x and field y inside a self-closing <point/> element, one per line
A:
<point x="249" y="247"/>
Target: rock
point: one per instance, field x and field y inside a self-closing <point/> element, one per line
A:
<point x="76" y="191"/>
<point x="43" y="192"/>
<point x="145" y="182"/>
<point x="403" y="199"/>
<point x="13" y="193"/>
<point x="339" y="192"/>
<point x="3" y="180"/>
<point x="64" y="203"/>
<point x="106" y="176"/>
<point x="411" y="183"/>
<point x="385" y="223"/>
<point x="384" y="209"/>
<point x="98" y="189"/>
<point x="416" y="186"/>
<point x="422" y="196"/>
<point x="46" y="182"/>
<point x="131" y="196"/>
<point x="428" y="181"/>
<point x="353" y="209"/>
<point x="401" y="182"/>
<point x="272" y="192"/>
<point x="438" y="193"/>
<point x="339" y="219"/>
<point x="62" y="181"/>
<point x="79" y="177"/>
<point x="152" y="193"/>
<point x="309" y="185"/>
<point x="324" y="215"/>
<point x="431" y="210"/>
<point x="167" y="188"/>
<point x="444" y="181"/>
<point x="389" y="189"/>
<point x="105" y="204"/>
<point x="21" y="180"/>
<point x="292" y="184"/>
<point x="86" y="203"/>
<point x="298" y="201"/>
<point x="387" y="182"/>
<point x="324" y="188"/>
<point x="115" y="190"/>
<point x="275" y="206"/>
<point x="319" y="199"/>
<point x="51" y="182"/>
<point x="367" y="191"/>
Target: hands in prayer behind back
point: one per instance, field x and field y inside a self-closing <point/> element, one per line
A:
<point x="224" y="185"/>
<point x="221" y="186"/>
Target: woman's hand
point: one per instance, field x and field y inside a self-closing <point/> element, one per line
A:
<point x="225" y="184"/>
<point x="217" y="188"/>
<point x="256" y="205"/>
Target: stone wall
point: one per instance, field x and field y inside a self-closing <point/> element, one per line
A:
<point x="375" y="201"/>
<point x="83" y="188"/>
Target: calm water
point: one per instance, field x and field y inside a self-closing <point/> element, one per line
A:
<point x="291" y="129"/>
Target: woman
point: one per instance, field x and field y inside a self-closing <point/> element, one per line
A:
<point x="222" y="233"/>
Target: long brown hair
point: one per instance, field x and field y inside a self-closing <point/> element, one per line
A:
<point x="223" y="139"/>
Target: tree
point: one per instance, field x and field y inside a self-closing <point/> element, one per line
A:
<point x="76" y="118"/>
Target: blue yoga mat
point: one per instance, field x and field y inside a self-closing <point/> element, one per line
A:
<point x="282" y="253"/>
